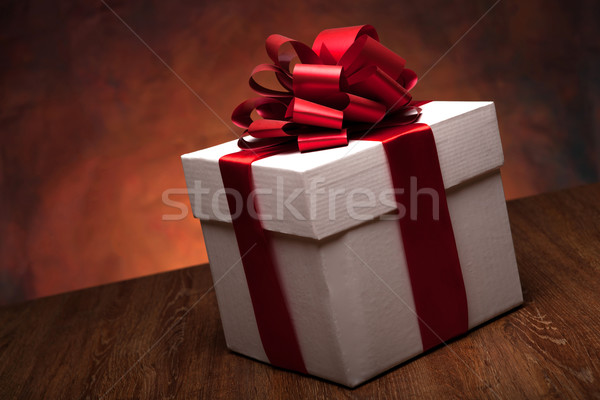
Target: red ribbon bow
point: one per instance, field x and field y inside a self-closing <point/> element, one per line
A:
<point x="347" y="81"/>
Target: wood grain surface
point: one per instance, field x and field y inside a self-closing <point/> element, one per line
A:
<point x="161" y="336"/>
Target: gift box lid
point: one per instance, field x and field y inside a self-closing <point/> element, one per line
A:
<point x="308" y="194"/>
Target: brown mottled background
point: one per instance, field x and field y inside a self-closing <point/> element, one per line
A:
<point x="92" y="123"/>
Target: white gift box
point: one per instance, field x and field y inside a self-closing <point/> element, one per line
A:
<point x="341" y="261"/>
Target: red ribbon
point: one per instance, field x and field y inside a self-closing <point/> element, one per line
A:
<point x="268" y="299"/>
<point x="429" y="244"/>
<point x="346" y="83"/>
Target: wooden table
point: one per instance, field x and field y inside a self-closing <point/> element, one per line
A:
<point x="160" y="336"/>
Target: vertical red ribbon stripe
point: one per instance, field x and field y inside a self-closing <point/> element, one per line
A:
<point x="272" y="313"/>
<point x="429" y="243"/>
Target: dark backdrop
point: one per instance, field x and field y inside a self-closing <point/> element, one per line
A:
<point x="92" y="123"/>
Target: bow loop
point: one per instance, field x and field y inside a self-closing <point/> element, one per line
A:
<point x="314" y="81"/>
<point x="347" y="81"/>
<point x="338" y="40"/>
<point x="274" y="46"/>
<point x="267" y="107"/>
<point x="315" y="114"/>
<point x="284" y="79"/>
<point x="366" y="51"/>
<point x="374" y="84"/>
<point x="270" y="128"/>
